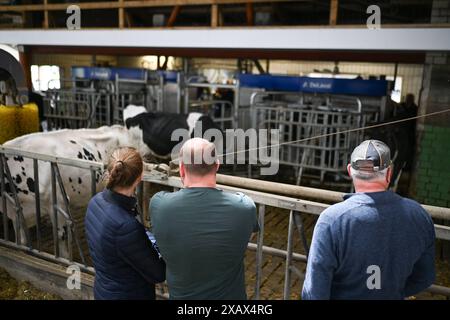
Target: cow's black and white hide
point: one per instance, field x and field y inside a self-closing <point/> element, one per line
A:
<point x="156" y="128"/>
<point x="88" y="144"/>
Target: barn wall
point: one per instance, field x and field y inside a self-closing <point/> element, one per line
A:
<point x="432" y="184"/>
<point x="432" y="181"/>
<point x="66" y="61"/>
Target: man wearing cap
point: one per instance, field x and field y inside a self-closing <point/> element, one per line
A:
<point x="375" y="244"/>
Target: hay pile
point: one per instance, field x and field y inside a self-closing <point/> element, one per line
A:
<point x="17" y="121"/>
<point x="11" y="289"/>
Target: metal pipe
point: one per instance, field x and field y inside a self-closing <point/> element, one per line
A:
<point x="259" y="250"/>
<point x="37" y="197"/>
<point x="280" y="188"/>
<point x="211" y="85"/>
<point x="46" y="256"/>
<point x="20" y="220"/>
<point x="277" y="252"/>
<point x="68" y="216"/>
<point x="79" y="163"/>
<point x="287" y="274"/>
<point x="55" y="212"/>
<point x="3" y="191"/>
<point x="307" y="193"/>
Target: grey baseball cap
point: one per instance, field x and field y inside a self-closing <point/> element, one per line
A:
<point x="371" y="155"/>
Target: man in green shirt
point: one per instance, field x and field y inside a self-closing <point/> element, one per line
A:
<point x="203" y="232"/>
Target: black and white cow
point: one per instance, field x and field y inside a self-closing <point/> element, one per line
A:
<point x="156" y="128"/>
<point x="147" y="132"/>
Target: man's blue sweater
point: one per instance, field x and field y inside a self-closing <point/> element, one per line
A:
<point x="371" y="246"/>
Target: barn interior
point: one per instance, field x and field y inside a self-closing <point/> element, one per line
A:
<point x="328" y="74"/>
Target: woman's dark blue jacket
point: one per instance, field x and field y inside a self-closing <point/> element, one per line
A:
<point x="126" y="264"/>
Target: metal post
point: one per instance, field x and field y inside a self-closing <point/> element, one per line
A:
<point x="186" y="96"/>
<point x="160" y="102"/>
<point x="179" y="91"/>
<point x="68" y="217"/>
<point x="37" y="198"/>
<point x="236" y="105"/>
<point x="301" y="230"/>
<point x="54" y="211"/>
<point x="69" y="225"/>
<point x="20" y="221"/>
<point x="259" y="250"/>
<point x="287" y="276"/>
<point x="3" y="190"/>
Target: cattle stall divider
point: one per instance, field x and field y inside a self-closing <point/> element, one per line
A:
<point x="57" y="211"/>
<point x="84" y="103"/>
<point x="229" y="111"/>
<point x="300" y="116"/>
<point x="262" y="192"/>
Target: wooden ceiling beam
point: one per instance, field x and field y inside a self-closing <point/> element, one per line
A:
<point x="310" y="55"/>
<point x="130" y="4"/>
<point x="334" y="4"/>
<point x="173" y="16"/>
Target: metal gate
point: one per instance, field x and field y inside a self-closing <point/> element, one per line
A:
<point x="299" y="117"/>
<point x="95" y="103"/>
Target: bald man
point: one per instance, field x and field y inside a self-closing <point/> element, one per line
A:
<point x="203" y="232"/>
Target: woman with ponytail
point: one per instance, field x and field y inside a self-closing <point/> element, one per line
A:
<point x="127" y="265"/>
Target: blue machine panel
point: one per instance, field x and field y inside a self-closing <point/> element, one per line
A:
<point x="169" y="76"/>
<point x="98" y="73"/>
<point x="360" y="87"/>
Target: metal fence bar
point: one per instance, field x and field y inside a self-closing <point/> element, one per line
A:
<point x="287" y="274"/>
<point x="19" y="219"/>
<point x="78" y="163"/>
<point x="47" y="256"/>
<point x="68" y="216"/>
<point x="37" y="196"/>
<point x="289" y="190"/>
<point x="259" y="250"/>
<point x="3" y="192"/>
<point x="54" y="211"/>
<point x="301" y="230"/>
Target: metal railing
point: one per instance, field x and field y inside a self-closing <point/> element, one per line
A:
<point x="230" y="110"/>
<point x="84" y="103"/>
<point x="260" y="191"/>
<point x="64" y="229"/>
<point x="299" y="116"/>
<point x="295" y="207"/>
<point x="221" y="112"/>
